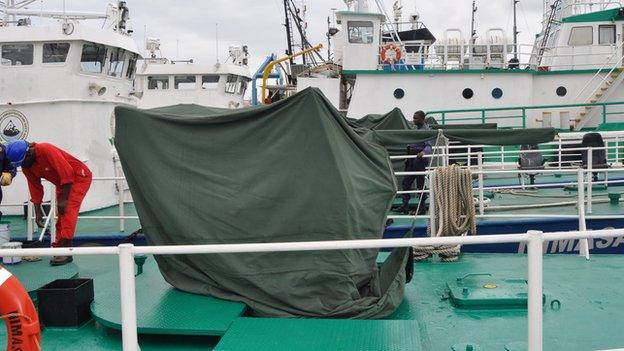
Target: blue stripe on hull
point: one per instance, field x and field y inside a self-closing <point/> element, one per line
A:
<point x="598" y="246"/>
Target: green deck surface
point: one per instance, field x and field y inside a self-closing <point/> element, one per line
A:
<point x="34" y="275"/>
<point x="161" y="309"/>
<point x="590" y="317"/>
<point x="319" y="334"/>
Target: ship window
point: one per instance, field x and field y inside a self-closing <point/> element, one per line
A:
<point x="17" y="54"/>
<point x="606" y="35"/>
<point x="467" y="93"/>
<point x="242" y="85"/>
<point x="158" y="82"/>
<point x="210" y="82"/>
<point x="184" y="82"/>
<point x="93" y="57"/>
<point x="55" y="52"/>
<point x="116" y="62"/>
<point x="230" y="84"/>
<point x="360" y="32"/>
<point x="132" y="66"/>
<point x="581" y="36"/>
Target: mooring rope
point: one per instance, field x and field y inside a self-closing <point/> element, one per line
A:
<point x="454" y="210"/>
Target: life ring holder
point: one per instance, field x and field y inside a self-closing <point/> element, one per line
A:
<point x="390" y="53"/>
<point x="19" y="314"/>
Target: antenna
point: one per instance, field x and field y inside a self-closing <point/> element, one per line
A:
<point x="217" y="40"/>
<point x="473" y="32"/>
<point x="515" y="29"/>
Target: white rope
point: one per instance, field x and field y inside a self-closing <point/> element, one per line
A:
<point x="454" y="210"/>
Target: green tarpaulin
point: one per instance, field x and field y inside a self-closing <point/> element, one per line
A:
<point x="289" y="172"/>
<point x="467" y="136"/>
<point x="393" y="120"/>
<point x="464" y="126"/>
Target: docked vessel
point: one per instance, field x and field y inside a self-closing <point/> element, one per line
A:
<point x="247" y="217"/>
<point x="61" y="80"/>
<point x="384" y="63"/>
<point x="162" y="82"/>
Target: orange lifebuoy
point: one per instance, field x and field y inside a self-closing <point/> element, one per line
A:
<point x="390" y="53"/>
<point x="19" y="314"/>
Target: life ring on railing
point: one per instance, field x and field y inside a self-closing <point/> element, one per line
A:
<point x="19" y="314"/>
<point x="390" y="53"/>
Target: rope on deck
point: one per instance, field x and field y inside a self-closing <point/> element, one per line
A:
<point x="455" y="213"/>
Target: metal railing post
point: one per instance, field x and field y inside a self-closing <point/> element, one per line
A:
<point x="480" y="177"/>
<point x="523" y="118"/>
<point x="120" y="199"/>
<point x="590" y="178"/>
<point x="559" y="155"/>
<point x="584" y="243"/>
<point x="53" y="211"/>
<point x="535" y="280"/>
<point x="502" y="151"/>
<point x="604" y="113"/>
<point x="443" y="118"/>
<point x="30" y="228"/>
<point x="432" y="209"/>
<point x="617" y="149"/>
<point x="127" y="291"/>
<point x="483" y="116"/>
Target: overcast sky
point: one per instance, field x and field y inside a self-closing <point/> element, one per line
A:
<point x="187" y="28"/>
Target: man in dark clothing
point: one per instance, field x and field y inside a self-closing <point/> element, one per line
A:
<point x="417" y="164"/>
<point x="7" y="171"/>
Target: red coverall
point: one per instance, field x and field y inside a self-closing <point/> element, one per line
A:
<point x="59" y="168"/>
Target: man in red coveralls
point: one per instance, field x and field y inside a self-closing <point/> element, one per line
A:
<point x="71" y="177"/>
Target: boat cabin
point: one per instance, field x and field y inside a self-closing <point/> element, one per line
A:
<point x="161" y="82"/>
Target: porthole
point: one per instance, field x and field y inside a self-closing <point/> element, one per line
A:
<point x="562" y="91"/>
<point x="467" y="93"/>
<point x="497" y="93"/>
<point x="399" y="93"/>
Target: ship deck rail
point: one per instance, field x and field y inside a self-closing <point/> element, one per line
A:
<point x="128" y="304"/>
<point x="517" y="116"/>
<point x="495" y="165"/>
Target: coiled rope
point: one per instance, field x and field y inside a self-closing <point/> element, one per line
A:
<point x="454" y="211"/>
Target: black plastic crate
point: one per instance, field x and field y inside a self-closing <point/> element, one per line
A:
<point x="65" y="302"/>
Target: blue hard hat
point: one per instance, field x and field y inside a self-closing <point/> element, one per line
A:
<point x="16" y="151"/>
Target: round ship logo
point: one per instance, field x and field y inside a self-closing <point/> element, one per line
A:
<point x="13" y="125"/>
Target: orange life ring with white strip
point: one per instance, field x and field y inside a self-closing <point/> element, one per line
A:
<point x="390" y="53"/>
<point x="19" y="314"/>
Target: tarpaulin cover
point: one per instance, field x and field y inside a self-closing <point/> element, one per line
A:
<point x="464" y="126"/>
<point x="393" y="120"/>
<point x="467" y="136"/>
<point x="289" y="172"/>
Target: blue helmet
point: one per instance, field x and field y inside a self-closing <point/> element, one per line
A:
<point x="16" y="151"/>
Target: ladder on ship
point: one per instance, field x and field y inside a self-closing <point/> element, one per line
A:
<point x="547" y="31"/>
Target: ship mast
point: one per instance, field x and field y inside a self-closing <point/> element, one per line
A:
<point x="515" y="29"/>
<point x="473" y="32"/>
<point x="289" y="50"/>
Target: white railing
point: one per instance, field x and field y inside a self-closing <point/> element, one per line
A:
<point x="481" y="168"/>
<point x="423" y="56"/>
<point x="534" y="240"/>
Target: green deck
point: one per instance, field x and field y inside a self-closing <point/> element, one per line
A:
<point x="590" y="317"/>
<point x="161" y="309"/>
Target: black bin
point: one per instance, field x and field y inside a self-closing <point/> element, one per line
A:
<point x="65" y="302"/>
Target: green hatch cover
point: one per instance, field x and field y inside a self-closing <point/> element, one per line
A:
<point x="482" y="291"/>
<point x="289" y="172"/>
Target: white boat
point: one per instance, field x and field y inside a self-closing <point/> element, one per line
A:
<point x="383" y="63"/>
<point x="162" y="82"/>
<point x="59" y="83"/>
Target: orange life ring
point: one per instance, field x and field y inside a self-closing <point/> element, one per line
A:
<point x="390" y="53"/>
<point x="19" y="314"/>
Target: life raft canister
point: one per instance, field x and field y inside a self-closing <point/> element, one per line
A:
<point x="19" y="314"/>
<point x="390" y="53"/>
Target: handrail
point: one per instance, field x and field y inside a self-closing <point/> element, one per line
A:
<point x="618" y="62"/>
<point x="534" y="239"/>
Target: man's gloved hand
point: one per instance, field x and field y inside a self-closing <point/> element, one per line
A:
<point x="6" y="179"/>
